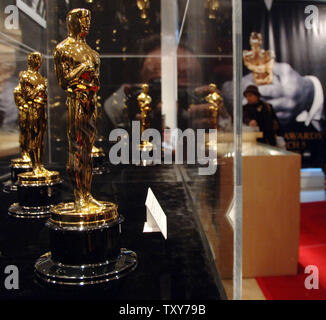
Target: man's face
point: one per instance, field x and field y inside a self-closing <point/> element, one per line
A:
<point x="251" y="98"/>
<point x="189" y="69"/>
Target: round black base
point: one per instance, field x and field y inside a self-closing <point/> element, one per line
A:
<point x="85" y="245"/>
<point x="15" y="171"/>
<point x="87" y="254"/>
<point x="9" y="187"/>
<point x="35" y="201"/>
<point x="82" y="275"/>
<point x="17" y="211"/>
<point x="43" y="195"/>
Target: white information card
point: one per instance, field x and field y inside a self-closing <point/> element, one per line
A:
<point x="155" y="216"/>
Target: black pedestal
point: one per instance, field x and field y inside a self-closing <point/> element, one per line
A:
<point x="88" y="255"/>
<point x="11" y="185"/>
<point x="35" y="201"/>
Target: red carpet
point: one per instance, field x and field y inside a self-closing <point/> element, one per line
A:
<point x="312" y="251"/>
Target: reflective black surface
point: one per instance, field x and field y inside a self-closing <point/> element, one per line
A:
<point x="61" y="275"/>
<point x="177" y="268"/>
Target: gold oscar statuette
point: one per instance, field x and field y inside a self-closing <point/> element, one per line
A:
<point x="77" y="69"/>
<point x="143" y="6"/>
<point x="212" y="6"/>
<point x="33" y="94"/>
<point x="22" y="164"/>
<point x="37" y="188"/>
<point x="259" y="61"/>
<point x="144" y="102"/>
<point x="215" y="101"/>
<point x="89" y="228"/>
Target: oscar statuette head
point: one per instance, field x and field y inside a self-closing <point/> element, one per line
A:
<point x="256" y="40"/>
<point x="34" y="61"/>
<point x="212" y="87"/>
<point x="145" y="88"/>
<point x="78" y="22"/>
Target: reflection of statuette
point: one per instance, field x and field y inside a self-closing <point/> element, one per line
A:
<point x="215" y="101"/>
<point x="259" y="61"/>
<point x="23" y="164"/>
<point x="144" y="102"/>
<point x="143" y="6"/>
<point x="212" y="6"/>
<point x="23" y="110"/>
<point x="84" y="234"/>
<point x="31" y="93"/>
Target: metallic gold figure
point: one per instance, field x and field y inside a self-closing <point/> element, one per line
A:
<point x="215" y="100"/>
<point x="23" y="109"/>
<point x="259" y="61"/>
<point x="143" y="5"/>
<point x="34" y="88"/>
<point x="77" y="69"/>
<point x="144" y="101"/>
<point x="212" y="6"/>
<point x="31" y="96"/>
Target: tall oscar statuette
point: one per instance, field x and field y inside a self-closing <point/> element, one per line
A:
<point x="37" y="189"/>
<point x="144" y="102"/>
<point x="84" y="234"/>
<point x="259" y="61"/>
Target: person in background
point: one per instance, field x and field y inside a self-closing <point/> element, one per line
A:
<point x="259" y="114"/>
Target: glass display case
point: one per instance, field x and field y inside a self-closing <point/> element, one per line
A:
<point x="188" y="53"/>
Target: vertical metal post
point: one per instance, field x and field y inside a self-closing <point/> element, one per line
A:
<point x="237" y="122"/>
<point x="169" y="43"/>
<point x="49" y="11"/>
